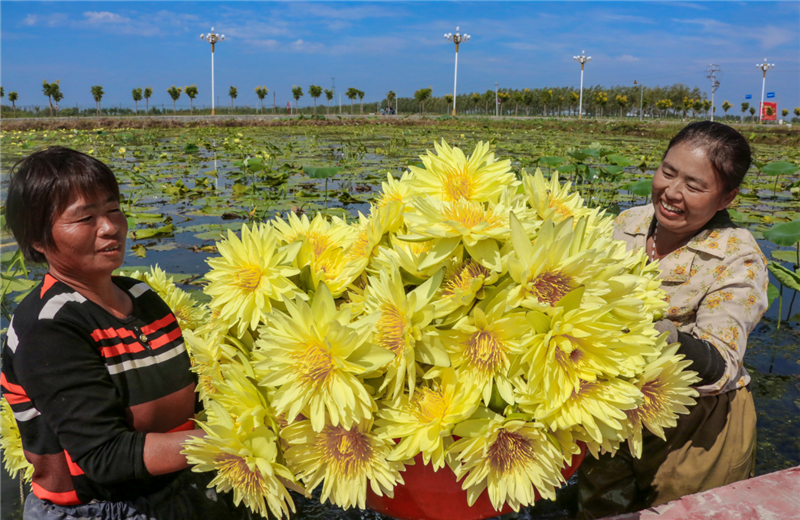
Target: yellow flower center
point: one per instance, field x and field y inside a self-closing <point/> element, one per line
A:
<point x="469" y="214"/>
<point x="550" y="287"/>
<point x="574" y="357"/>
<point x="247" y="278"/>
<point x="460" y="279"/>
<point x="348" y="452"/>
<point x="485" y="353"/>
<point x="560" y="208"/>
<point x="319" y="242"/>
<point x="457" y="184"/>
<point x="654" y="404"/>
<point x="330" y="264"/>
<point x="315" y="363"/>
<point x="428" y="405"/>
<point x="237" y="471"/>
<point x="361" y="246"/>
<point x="391" y="328"/>
<point x="510" y="451"/>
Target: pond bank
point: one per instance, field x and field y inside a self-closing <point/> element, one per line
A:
<point x="770" y="134"/>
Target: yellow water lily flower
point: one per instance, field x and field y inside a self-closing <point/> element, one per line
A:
<point x="483" y="345"/>
<point x="11" y="443"/>
<point x="424" y="422"/>
<point x="450" y="176"/>
<point x="400" y="328"/>
<point x="313" y="356"/>
<point x="511" y="457"/>
<point x="666" y="392"/>
<point x="408" y="256"/>
<point x="343" y="460"/>
<point x="189" y="312"/>
<point x="464" y="281"/>
<point x="247" y="464"/>
<point x="552" y="200"/>
<point x="318" y="235"/>
<point x="251" y="273"/>
<point x="399" y="192"/>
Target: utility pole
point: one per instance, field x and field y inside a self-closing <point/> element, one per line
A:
<point x="764" y="68"/>
<point x="582" y="59"/>
<point x="711" y="73"/>
<point x="496" y="109"/>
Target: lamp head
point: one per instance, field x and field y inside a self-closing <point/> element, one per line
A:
<point x="222" y="37"/>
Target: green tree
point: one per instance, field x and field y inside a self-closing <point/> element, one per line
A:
<point x="449" y="99"/>
<point x="97" y="94"/>
<point x="148" y="91"/>
<point x="725" y="107"/>
<point x="390" y="96"/>
<point x="476" y="99"/>
<point x="488" y="97"/>
<point x="574" y="97"/>
<point x="329" y="96"/>
<point x="528" y="98"/>
<point x="687" y="104"/>
<point x="2" y="92"/>
<point x="315" y="92"/>
<point x="137" y="96"/>
<point x="52" y="91"/>
<point x="784" y="112"/>
<point x="697" y="106"/>
<point x="421" y="96"/>
<point x="546" y="96"/>
<point x="233" y="93"/>
<point x="518" y="97"/>
<point x="707" y="106"/>
<point x="262" y="92"/>
<point x="12" y="96"/>
<point x="361" y="101"/>
<point x="191" y="91"/>
<point x="502" y="97"/>
<point x="57" y="97"/>
<point x="770" y="111"/>
<point x="297" y="93"/>
<point x="174" y="92"/>
<point x="352" y="94"/>
<point x="797" y="111"/>
<point x="745" y="106"/>
<point x="752" y="113"/>
<point x="601" y="100"/>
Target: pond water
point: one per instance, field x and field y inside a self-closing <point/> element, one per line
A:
<point x="183" y="188"/>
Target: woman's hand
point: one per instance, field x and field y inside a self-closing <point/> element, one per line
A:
<point x="663" y="326"/>
<point x="162" y="451"/>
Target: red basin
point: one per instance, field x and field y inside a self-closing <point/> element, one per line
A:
<point x="430" y="495"/>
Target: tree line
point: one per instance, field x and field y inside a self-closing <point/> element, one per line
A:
<point x="677" y="100"/>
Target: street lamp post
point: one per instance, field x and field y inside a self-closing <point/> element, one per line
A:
<point x="711" y="73"/>
<point x="212" y="39"/>
<point x="456" y="38"/>
<point x="764" y="68"/>
<point x="582" y="59"/>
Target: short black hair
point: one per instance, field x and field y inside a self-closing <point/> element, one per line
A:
<point x="726" y="149"/>
<point x="40" y="188"/>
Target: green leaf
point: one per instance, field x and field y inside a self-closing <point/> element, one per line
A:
<point x="578" y="155"/>
<point x="779" y="168"/>
<point x="784" y="256"/>
<point x="786" y="277"/>
<point x="640" y="188"/>
<point x="612" y="169"/>
<point x="618" y="160"/>
<point x="190" y="148"/>
<point x="140" y="250"/>
<point x="772" y="293"/>
<point x="152" y="232"/>
<point x="784" y="234"/>
<point x="320" y="173"/>
<point x="551" y="161"/>
<point x="567" y="168"/>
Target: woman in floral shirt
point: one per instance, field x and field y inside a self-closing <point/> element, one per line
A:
<point x="715" y="277"/>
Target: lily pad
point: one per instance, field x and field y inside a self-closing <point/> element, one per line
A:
<point x="784" y="234"/>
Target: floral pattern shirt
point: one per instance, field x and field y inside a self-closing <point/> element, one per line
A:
<point x="716" y="287"/>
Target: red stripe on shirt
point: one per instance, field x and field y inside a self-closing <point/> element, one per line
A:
<point x="166" y="338"/>
<point x="48" y="282"/>
<point x="185" y="427"/>
<point x="14" y="394"/>
<point x="122" y="348"/>
<point x="11" y="386"/>
<point x="158" y="324"/>
<point x="111" y="333"/>
<point x="67" y="498"/>
<point x="74" y="469"/>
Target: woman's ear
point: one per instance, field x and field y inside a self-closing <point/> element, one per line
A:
<point x="727" y="198"/>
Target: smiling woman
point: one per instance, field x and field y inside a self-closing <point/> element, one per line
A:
<point x="94" y="366"/>
<point x="715" y="278"/>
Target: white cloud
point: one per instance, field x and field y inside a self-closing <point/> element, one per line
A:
<point x="105" y="17"/>
<point x="627" y="18"/>
<point x="628" y="58"/>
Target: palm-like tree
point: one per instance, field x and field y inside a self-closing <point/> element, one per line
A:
<point x="51" y="90"/>
<point x="148" y="91"/>
<point x="745" y="106"/>
<point x="360" y="101"/>
<point x="12" y="96"/>
<point x="502" y="97"/>
<point x="315" y="91"/>
<point x="328" y="96"/>
<point x="137" y="96"/>
<point x="233" y="93"/>
<point x="752" y="113"/>
<point x="622" y="102"/>
<point x="601" y="100"/>
<point x="574" y="97"/>
<point x="547" y="96"/>
<point x="421" y="96"/>
<point x="297" y="93"/>
<point x="97" y="94"/>
<point x="796" y="111"/>
<point x="390" y="96"/>
<point x="191" y="91"/>
<point x="352" y="94"/>
<point x="488" y="97"/>
<point x="174" y="92"/>
<point x="262" y="92"/>
<point x="449" y="99"/>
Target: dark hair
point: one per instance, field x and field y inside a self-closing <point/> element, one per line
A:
<point x="41" y="187"/>
<point x="726" y="149"/>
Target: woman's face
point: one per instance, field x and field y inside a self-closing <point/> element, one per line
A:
<point x="686" y="192"/>
<point x="90" y="238"/>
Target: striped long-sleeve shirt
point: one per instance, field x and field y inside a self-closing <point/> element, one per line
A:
<point x="86" y="387"/>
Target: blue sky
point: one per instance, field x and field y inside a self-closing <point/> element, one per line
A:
<point x="378" y="46"/>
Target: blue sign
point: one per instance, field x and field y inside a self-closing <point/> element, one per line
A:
<point x="770" y="94"/>
<point x="749" y="96"/>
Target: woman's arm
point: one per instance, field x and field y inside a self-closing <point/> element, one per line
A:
<point x="706" y="359"/>
<point x="162" y="451"/>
